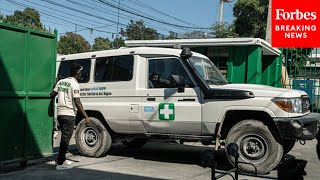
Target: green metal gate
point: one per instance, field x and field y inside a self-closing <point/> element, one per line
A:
<point x="301" y="70"/>
<point x="27" y="71"/>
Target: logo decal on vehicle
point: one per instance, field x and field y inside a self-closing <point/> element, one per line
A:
<point x="149" y="109"/>
<point x="166" y="111"/>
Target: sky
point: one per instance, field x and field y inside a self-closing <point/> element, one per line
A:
<point x="93" y="18"/>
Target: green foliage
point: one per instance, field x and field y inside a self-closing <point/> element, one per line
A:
<point x="225" y="30"/>
<point x="195" y="35"/>
<point x="29" y="18"/>
<point x="101" y="44"/>
<point x="2" y="17"/>
<point x="172" y="35"/>
<point x="72" y="43"/>
<point x="251" y="18"/>
<point x="136" y="30"/>
<point x="117" y="43"/>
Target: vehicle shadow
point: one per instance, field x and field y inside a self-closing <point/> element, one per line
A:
<point x="289" y="168"/>
<point x="47" y="171"/>
<point x="169" y="152"/>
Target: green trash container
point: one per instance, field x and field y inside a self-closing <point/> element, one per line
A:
<point x="27" y="72"/>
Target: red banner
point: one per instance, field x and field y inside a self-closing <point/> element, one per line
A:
<point x="295" y="23"/>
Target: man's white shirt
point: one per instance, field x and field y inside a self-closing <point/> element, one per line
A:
<point x="67" y="89"/>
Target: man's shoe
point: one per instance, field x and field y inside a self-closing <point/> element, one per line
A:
<point x="55" y="134"/>
<point x="66" y="165"/>
<point x="68" y="162"/>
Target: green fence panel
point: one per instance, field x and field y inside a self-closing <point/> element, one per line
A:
<point x="254" y="65"/>
<point x="278" y="74"/>
<point x="41" y="66"/>
<point x="12" y="128"/>
<point x="27" y="71"/>
<point x="237" y="64"/>
<point x="39" y="127"/>
<point x="12" y="51"/>
<point x="271" y="71"/>
<point x="267" y="73"/>
<point x="245" y="64"/>
<point x="230" y="65"/>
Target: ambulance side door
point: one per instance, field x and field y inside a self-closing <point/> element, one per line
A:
<point x="165" y="109"/>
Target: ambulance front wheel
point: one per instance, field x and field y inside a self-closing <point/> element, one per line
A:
<point x="258" y="144"/>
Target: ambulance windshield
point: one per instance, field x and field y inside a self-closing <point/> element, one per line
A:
<point x="208" y="71"/>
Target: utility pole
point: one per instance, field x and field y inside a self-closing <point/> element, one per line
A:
<point x="221" y="12"/>
<point x="268" y="30"/>
<point x="75" y="33"/>
<point x="117" y="44"/>
<point x="118" y="17"/>
<point x="76" y="29"/>
<point x="221" y="9"/>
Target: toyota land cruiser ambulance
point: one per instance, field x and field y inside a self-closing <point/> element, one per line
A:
<point x="134" y="95"/>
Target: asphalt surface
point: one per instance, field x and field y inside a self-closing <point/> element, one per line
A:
<point x="156" y="160"/>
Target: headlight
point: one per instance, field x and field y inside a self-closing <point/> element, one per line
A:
<point x="292" y="105"/>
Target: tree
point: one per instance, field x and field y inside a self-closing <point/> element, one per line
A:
<point x="1" y="17"/>
<point x="101" y="44"/>
<point x="29" y="18"/>
<point x="172" y="35"/>
<point x="195" y="35"/>
<point x="72" y="43"/>
<point x="251" y="18"/>
<point x="118" y="42"/>
<point x="136" y="30"/>
<point x="225" y="30"/>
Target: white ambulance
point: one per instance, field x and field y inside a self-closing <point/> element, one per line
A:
<point x="134" y="95"/>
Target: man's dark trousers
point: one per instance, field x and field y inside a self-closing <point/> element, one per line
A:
<point x="66" y="125"/>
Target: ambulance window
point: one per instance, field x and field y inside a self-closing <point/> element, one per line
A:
<point x="161" y="71"/>
<point x="116" y="68"/>
<point x="64" y="69"/>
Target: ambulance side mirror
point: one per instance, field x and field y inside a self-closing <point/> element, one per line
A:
<point x="179" y="82"/>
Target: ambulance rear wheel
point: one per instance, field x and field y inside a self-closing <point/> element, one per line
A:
<point x="93" y="139"/>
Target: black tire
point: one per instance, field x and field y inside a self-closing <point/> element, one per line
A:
<point x="136" y="143"/>
<point x="318" y="144"/>
<point x="92" y="140"/>
<point x="258" y="145"/>
<point x="287" y="145"/>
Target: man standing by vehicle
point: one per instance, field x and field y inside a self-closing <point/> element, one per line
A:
<point x="68" y="92"/>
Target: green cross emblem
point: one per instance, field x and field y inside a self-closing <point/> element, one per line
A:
<point x="166" y="111"/>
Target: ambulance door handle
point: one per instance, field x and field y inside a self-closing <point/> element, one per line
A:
<point x="151" y="99"/>
<point x="186" y="99"/>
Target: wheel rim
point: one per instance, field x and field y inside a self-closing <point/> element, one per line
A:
<point x="253" y="148"/>
<point x="90" y="137"/>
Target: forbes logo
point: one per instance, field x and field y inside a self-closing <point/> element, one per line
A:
<point x="296" y="15"/>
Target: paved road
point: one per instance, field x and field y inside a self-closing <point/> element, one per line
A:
<point x="154" y="161"/>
